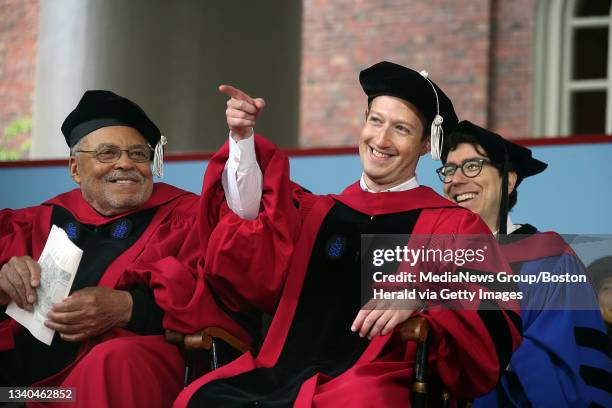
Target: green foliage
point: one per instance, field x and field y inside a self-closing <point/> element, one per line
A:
<point x="18" y="127"/>
<point x="10" y="147"/>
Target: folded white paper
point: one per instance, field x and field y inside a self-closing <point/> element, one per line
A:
<point x="59" y="262"/>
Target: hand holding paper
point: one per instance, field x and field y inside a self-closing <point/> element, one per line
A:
<point x="58" y="263"/>
<point x="89" y="312"/>
<point x="19" y="278"/>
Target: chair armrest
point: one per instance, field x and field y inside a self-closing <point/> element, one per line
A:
<point x="206" y="350"/>
<point x="202" y="340"/>
<point x="415" y="329"/>
<point x="174" y="337"/>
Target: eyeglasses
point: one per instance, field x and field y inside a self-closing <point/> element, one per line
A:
<point x="111" y="154"/>
<point x="470" y="168"/>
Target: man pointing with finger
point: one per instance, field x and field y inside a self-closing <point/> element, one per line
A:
<point x="298" y="258"/>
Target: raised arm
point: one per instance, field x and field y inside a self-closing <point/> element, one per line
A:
<point x="247" y="257"/>
<point x="242" y="177"/>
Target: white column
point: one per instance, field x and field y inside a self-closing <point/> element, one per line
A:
<point x="168" y="57"/>
<point x="60" y="67"/>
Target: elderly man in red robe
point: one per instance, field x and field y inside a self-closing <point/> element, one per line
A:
<point x="137" y="242"/>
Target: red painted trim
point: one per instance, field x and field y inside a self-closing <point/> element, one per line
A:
<point x="177" y="157"/>
<point x="321" y="151"/>
<point x="582" y="139"/>
<point x="34" y="163"/>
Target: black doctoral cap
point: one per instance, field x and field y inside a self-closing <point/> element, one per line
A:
<point x="101" y="108"/>
<point x="600" y="270"/>
<point x="387" y="78"/>
<point x="507" y="156"/>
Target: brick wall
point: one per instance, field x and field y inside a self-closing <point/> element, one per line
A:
<point x="18" y="40"/>
<point x="479" y="51"/>
<point x="453" y="39"/>
<point x="512" y="67"/>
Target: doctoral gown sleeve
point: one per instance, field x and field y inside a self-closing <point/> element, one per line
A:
<point x="146" y="316"/>
<point x="247" y="260"/>
<point x="471" y="346"/>
<point x="22" y="232"/>
<point x="16" y="229"/>
<point x="169" y="267"/>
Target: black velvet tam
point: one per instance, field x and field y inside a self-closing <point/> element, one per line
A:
<point x="100" y="108"/>
<point x="520" y="158"/>
<point x="387" y="78"/>
<point x="599" y="271"/>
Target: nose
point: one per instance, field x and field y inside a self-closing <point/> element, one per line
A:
<point x="124" y="161"/>
<point x="458" y="178"/>
<point x="382" y="138"/>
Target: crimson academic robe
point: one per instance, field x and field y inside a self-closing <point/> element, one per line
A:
<point x="300" y="260"/>
<point x="120" y="367"/>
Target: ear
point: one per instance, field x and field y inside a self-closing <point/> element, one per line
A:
<point x="365" y="116"/>
<point x="425" y="147"/>
<point x="511" y="181"/>
<point x="73" y="168"/>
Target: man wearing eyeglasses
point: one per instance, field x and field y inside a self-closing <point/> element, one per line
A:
<point x="563" y="358"/>
<point x="138" y="256"/>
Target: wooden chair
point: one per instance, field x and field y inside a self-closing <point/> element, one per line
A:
<point x="213" y="347"/>
<point x="417" y="329"/>
<point x="206" y="350"/>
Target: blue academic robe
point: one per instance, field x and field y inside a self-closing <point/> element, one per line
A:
<point x="563" y="360"/>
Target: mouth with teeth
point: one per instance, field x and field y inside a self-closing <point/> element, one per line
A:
<point x="377" y="154"/>
<point x="125" y="180"/>
<point x="464" y="197"/>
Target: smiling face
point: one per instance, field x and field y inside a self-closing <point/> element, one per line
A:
<point x="604" y="296"/>
<point x="112" y="188"/>
<point x="391" y="142"/>
<point x="480" y="194"/>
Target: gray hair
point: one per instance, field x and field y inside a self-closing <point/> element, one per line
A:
<point x="74" y="149"/>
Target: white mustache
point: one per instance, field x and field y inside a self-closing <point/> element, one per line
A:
<point x="122" y="174"/>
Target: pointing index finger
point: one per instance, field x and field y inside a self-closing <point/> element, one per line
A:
<point x="236" y="93"/>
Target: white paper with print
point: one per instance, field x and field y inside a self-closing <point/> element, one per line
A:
<point x="59" y="262"/>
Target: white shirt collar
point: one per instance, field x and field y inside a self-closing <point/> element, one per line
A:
<point x="510" y="226"/>
<point x="406" y="185"/>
